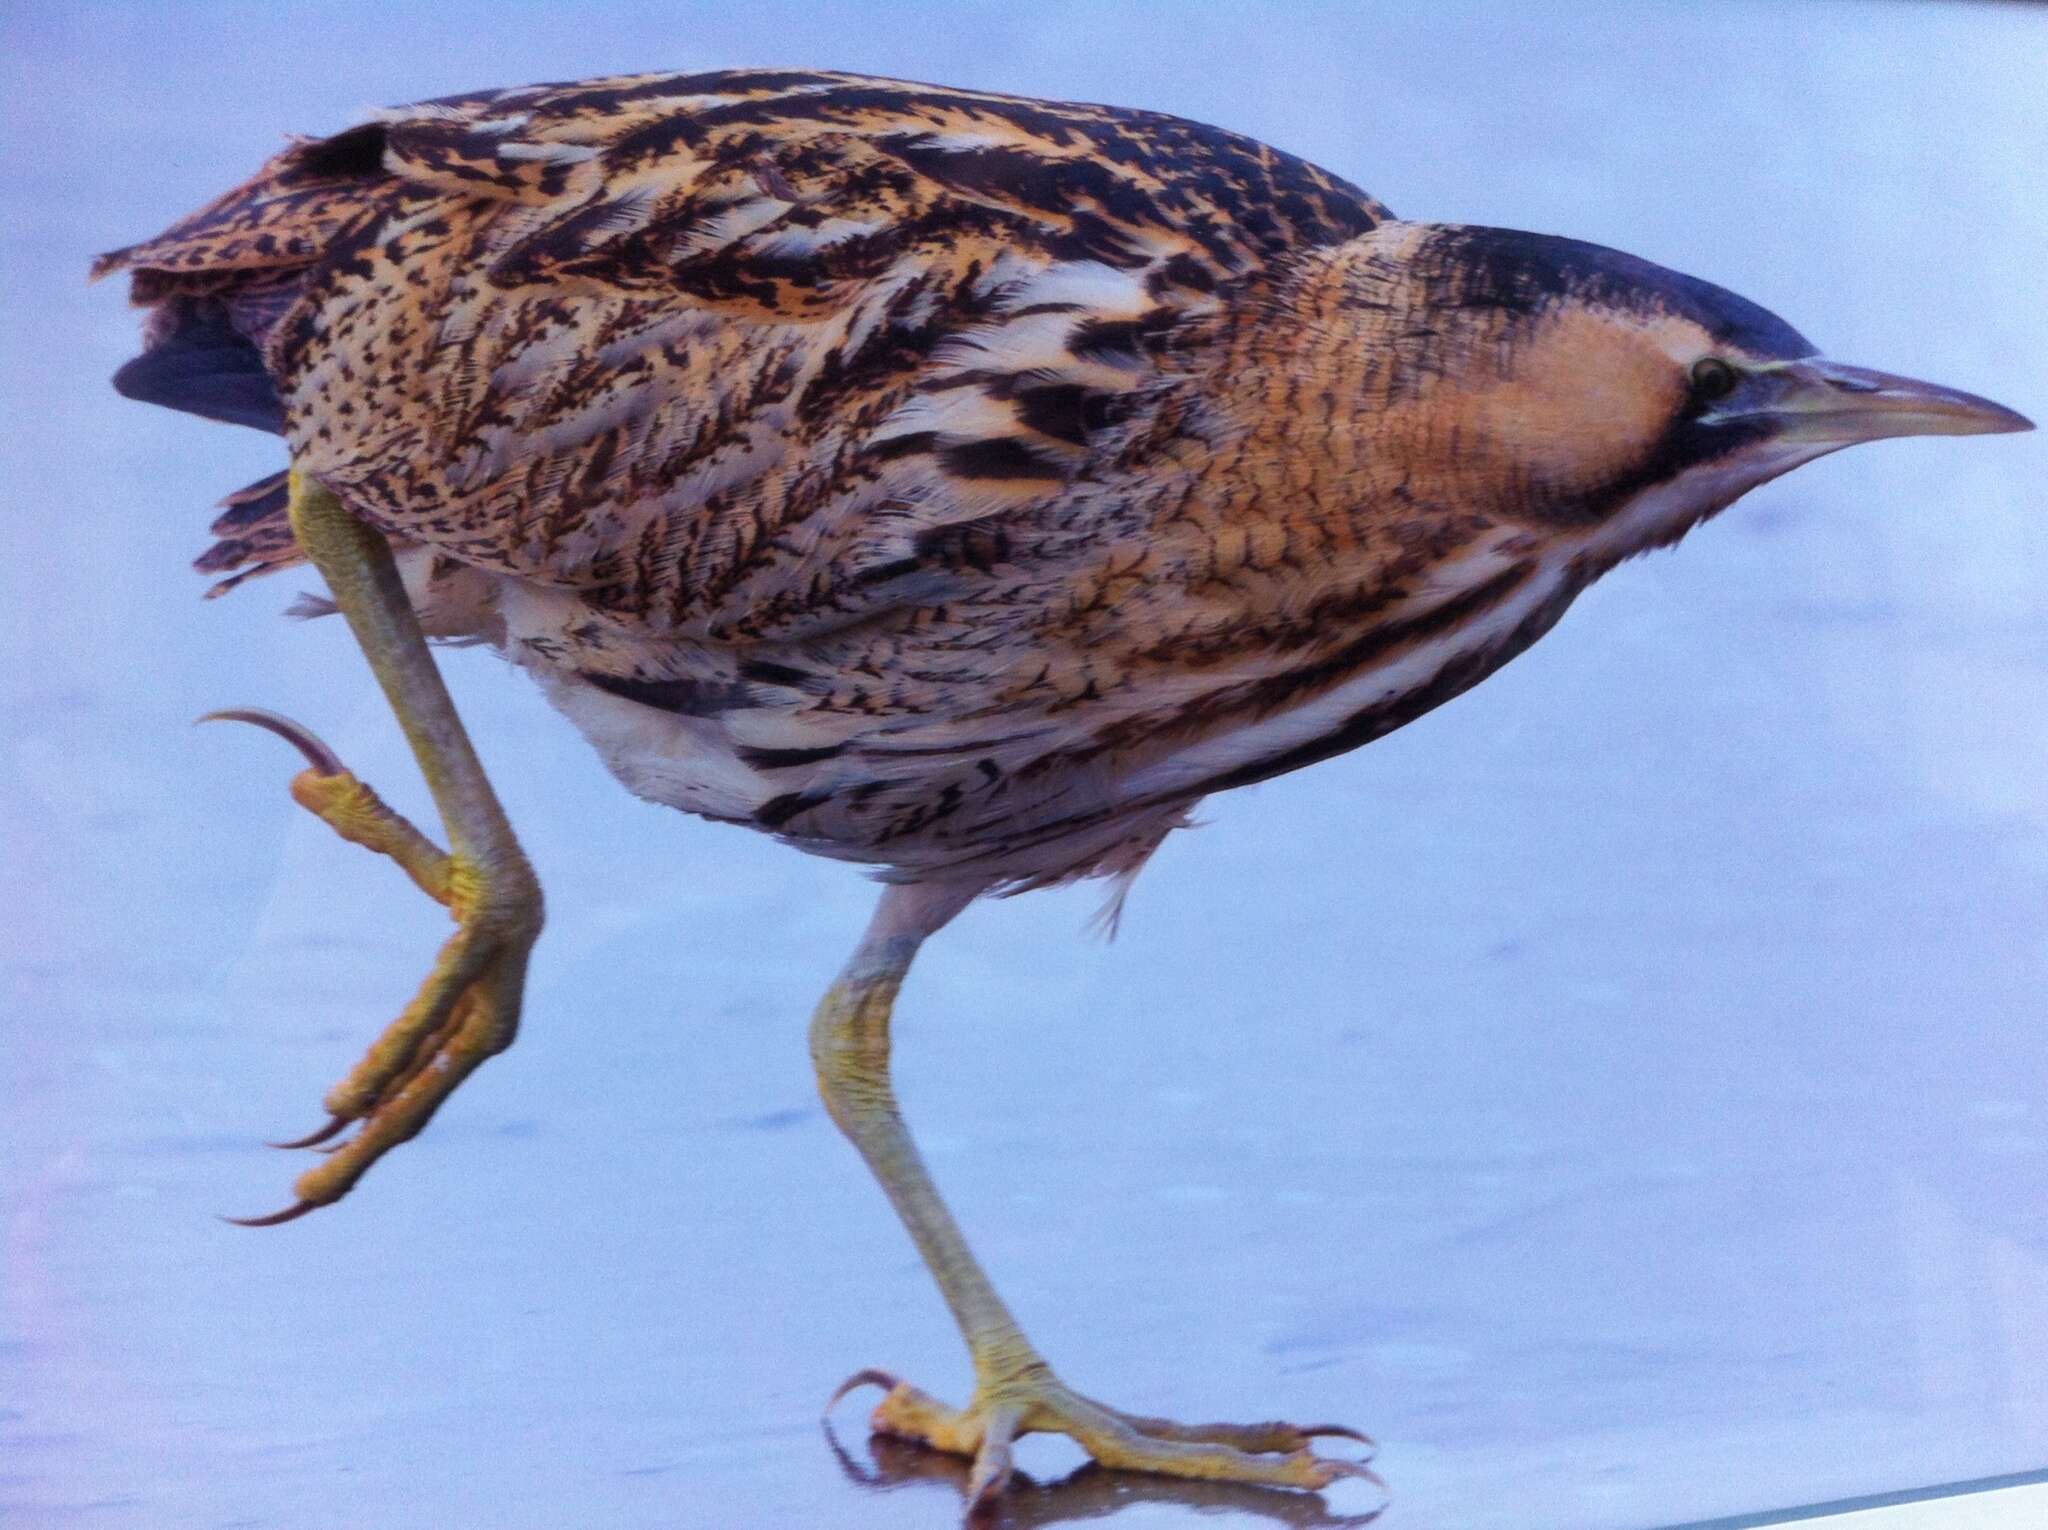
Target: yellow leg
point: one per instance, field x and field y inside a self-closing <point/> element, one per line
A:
<point x="1015" y="1390"/>
<point x="468" y="1008"/>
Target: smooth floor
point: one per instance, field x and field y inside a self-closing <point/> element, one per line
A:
<point x="1621" y="1092"/>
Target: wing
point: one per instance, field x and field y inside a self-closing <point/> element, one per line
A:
<point x="718" y="353"/>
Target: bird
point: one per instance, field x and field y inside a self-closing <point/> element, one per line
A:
<point x="954" y="483"/>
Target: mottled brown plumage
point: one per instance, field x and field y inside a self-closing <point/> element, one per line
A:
<point x="957" y="483"/>
<point x="928" y="466"/>
<point x="812" y="408"/>
<point x="926" y="455"/>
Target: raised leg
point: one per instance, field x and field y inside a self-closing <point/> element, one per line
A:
<point x="468" y="1008"/>
<point x="1015" y="1390"/>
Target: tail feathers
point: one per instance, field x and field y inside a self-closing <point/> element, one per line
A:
<point x="216" y="283"/>
<point x="264" y="500"/>
<point x="255" y="534"/>
<point x="290" y="211"/>
<point x="255" y="531"/>
<point x="204" y="365"/>
<point x="280" y="218"/>
<point x="213" y="285"/>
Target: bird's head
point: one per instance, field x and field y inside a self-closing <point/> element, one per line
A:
<point x="1593" y="395"/>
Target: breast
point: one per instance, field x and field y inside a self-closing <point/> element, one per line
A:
<point x="1080" y="784"/>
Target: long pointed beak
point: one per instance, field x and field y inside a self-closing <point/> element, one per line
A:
<point x="1826" y="403"/>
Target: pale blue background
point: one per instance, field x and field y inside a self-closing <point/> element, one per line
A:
<point x="1623" y="1092"/>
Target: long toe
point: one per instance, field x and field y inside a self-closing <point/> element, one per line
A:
<point x="1259" y="1439"/>
<point x="1271" y="1454"/>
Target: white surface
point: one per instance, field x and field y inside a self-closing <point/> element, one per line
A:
<point x="2009" y="1508"/>
<point x="2013" y="1509"/>
<point x="1622" y="1092"/>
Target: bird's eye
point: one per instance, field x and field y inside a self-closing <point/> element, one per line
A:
<point x="1712" y="378"/>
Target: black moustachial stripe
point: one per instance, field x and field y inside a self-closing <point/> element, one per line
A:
<point x="686" y="698"/>
<point x="1465" y="669"/>
<point x="784" y="759"/>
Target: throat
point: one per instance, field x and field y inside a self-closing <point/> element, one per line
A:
<point x="1663" y="512"/>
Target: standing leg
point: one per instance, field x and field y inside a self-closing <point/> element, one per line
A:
<point x="1015" y="1391"/>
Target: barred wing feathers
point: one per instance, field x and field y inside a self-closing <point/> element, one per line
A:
<point x="615" y="334"/>
<point x="836" y="416"/>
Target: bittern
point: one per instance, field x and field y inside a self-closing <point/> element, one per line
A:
<point x="951" y="482"/>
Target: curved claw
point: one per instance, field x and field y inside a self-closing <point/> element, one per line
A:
<point x="1363" y="1473"/>
<point x="859" y="1379"/>
<point x="322" y="760"/>
<point x="291" y="1213"/>
<point x="335" y="1125"/>
<point x="847" y="1464"/>
<point x="993" y="1464"/>
<point x="1341" y="1432"/>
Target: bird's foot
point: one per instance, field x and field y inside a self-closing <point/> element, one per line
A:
<point x="468" y="1008"/>
<point x="1267" y="1455"/>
